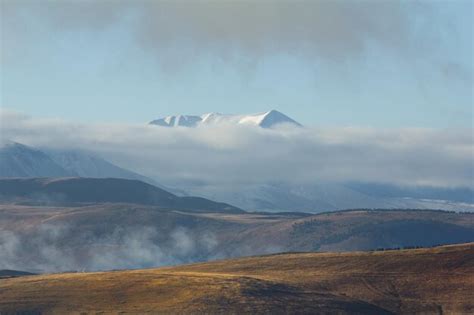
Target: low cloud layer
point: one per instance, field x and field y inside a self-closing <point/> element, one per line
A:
<point x="243" y="155"/>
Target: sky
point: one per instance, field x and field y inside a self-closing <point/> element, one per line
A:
<point x="324" y="63"/>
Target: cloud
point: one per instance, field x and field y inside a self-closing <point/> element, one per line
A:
<point x="179" y="31"/>
<point x="240" y="156"/>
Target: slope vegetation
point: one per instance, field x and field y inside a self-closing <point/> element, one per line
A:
<point x="430" y="281"/>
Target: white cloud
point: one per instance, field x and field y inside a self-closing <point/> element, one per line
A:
<point x="241" y="155"/>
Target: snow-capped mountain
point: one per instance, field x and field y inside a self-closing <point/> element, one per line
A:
<point x="265" y="120"/>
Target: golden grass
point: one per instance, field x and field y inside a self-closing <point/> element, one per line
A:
<point x="406" y="281"/>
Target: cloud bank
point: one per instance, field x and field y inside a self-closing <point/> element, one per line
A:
<point x="242" y="155"/>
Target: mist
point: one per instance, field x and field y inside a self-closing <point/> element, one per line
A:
<point x="45" y="248"/>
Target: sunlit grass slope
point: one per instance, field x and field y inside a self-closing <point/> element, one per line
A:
<point x="436" y="280"/>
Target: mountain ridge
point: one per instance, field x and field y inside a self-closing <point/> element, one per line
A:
<point x="267" y="119"/>
<point x="77" y="190"/>
<point x="20" y="160"/>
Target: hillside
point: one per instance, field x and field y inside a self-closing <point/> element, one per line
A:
<point x="85" y="164"/>
<point x="120" y="235"/>
<point x="73" y="190"/>
<point x="18" y="160"/>
<point x="434" y="281"/>
<point x="5" y="273"/>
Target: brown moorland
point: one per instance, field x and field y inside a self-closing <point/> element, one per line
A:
<point x="430" y="281"/>
<point x="247" y="233"/>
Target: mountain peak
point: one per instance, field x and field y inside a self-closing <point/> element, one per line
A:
<point x="274" y="117"/>
<point x="272" y="111"/>
<point x="267" y="119"/>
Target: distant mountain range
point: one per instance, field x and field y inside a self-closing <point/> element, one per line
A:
<point x="268" y="119"/>
<point x="18" y="160"/>
<point x="329" y="196"/>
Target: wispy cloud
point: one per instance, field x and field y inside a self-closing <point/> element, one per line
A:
<point x="332" y="30"/>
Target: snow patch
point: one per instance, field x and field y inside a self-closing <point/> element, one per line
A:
<point x="265" y="120"/>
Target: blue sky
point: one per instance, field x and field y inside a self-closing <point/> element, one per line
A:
<point x="369" y="63"/>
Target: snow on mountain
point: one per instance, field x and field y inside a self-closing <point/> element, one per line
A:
<point x="180" y="120"/>
<point x="265" y="120"/>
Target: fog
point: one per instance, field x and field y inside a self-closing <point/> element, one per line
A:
<point x="53" y="248"/>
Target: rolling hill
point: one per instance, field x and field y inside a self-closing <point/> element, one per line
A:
<point x="73" y="190"/>
<point x="105" y="236"/>
<point x="420" y="281"/>
<point x="60" y="224"/>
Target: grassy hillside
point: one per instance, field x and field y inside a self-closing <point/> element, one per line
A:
<point x="434" y="281"/>
<point x="123" y="236"/>
<point x="371" y="229"/>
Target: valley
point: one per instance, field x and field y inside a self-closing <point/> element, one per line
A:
<point x="102" y="224"/>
